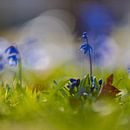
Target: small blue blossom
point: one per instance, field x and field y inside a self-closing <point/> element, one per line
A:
<point x="11" y="50"/>
<point x="13" y="60"/>
<point x="85" y="36"/>
<point x="86" y="48"/>
<point x="93" y="81"/>
<point x="12" y="55"/>
<point x="100" y="82"/>
<point x="73" y="83"/>
<point x="94" y="84"/>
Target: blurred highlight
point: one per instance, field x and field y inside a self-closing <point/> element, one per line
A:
<point x="53" y="36"/>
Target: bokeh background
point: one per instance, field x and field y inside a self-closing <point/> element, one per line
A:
<point x="48" y="32"/>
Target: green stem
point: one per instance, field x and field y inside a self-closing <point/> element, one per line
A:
<point x="20" y="73"/>
<point x="90" y="62"/>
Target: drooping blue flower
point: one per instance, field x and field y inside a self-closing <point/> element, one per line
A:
<point x="85" y="36"/>
<point x="13" y="60"/>
<point x="86" y="48"/>
<point x="11" y="50"/>
<point x="12" y="56"/>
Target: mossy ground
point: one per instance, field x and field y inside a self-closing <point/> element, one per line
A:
<point x="41" y="106"/>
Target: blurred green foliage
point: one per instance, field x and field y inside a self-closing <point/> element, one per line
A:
<point x="43" y="104"/>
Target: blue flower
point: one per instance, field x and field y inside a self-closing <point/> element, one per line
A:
<point x="100" y="82"/>
<point x="85" y="36"/>
<point x="73" y="83"/>
<point x="93" y="78"/>
<point x="12" y="55"/>
<point x="13" y="60"/>
<point x="86" y="48"/>
<point x="11" y="50"/>
<point x="94" y="84"/>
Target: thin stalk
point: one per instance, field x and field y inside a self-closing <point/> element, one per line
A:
<point x="20" y="73"/>
<point x="90" y="62"/>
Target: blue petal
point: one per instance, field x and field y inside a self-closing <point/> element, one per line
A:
<point x="72" y="80"/>
<point x="84" y="35"/>
<point x="11" y="50"/>
<point x="13" y="60"/>
<point x="86" y="51"/>
<point x="100" y="81"/>
<point x="86" y="48"/>
<point x="89" y="47"/>
<point x="83" y="45"/>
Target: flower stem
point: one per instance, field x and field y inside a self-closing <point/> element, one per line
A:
<point x="90" y="59"/>
<point x="90" y="62"/>
<point x="20" y="73"/>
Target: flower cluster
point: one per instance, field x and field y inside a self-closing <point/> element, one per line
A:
<point x="84" y="87"/>
<point x="88" y="85"/>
